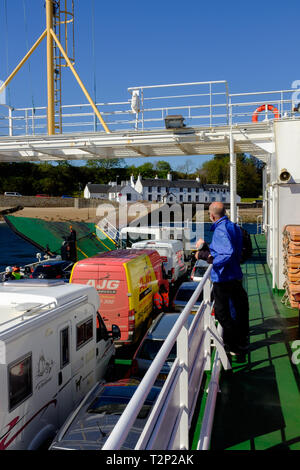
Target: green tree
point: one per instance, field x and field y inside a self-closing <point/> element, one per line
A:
<point x="105" y="163"/>
<point x="162" y="168"/>
<point x="249" y="173"/>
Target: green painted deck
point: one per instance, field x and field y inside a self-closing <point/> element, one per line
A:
<point x="258" y="407"/>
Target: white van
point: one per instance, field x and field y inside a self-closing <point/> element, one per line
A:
<point x="51" y="355"/>
<point x="11" y="193"/>
<point x="172" y="254"/>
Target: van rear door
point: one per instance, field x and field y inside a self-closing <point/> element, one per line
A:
<point x="112" y="288"/>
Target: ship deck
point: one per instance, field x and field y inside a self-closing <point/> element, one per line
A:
<point x="257" y="406"/>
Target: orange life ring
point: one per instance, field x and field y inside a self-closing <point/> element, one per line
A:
<point x="262" y="108"/>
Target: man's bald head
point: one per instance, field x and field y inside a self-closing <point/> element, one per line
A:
<point x="216" y="210"/>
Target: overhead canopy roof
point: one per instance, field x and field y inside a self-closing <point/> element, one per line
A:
<point x="253" y="138"/>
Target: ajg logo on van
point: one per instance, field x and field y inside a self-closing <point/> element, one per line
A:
<point x="106" y="286"/>
<point x="145" y="280"/>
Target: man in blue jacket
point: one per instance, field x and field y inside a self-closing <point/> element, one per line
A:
<point x="231" y="300"/>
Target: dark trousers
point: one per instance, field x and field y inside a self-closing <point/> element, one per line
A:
<point x="235" y="327"/>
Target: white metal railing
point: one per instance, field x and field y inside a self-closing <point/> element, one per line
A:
<point x="201" y="104"/>
<point x="168" y="424"/>
<point x="106" y="227"/>
<point x="259" y="224"/>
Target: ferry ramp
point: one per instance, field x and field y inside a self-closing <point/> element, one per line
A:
<point x="48" y="236"/>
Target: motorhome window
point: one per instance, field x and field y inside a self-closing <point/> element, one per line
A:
<point x="19" y="381"/>
<point x="84" y="333"/>
<point x="101" y="331"/>
<point x="64" y="347"/>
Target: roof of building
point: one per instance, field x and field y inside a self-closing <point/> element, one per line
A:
<point x="116" y="188"/>
<point x="98" y="188"/>
<point x="181" y="184"/>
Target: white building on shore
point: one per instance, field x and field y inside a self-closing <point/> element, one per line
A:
<point x="160" y="190"/>
<point x="180" y="191"/>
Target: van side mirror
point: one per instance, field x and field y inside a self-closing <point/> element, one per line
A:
<point x="115" y="332"/>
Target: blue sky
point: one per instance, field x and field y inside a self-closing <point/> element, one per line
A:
<point x="253" y="45"/>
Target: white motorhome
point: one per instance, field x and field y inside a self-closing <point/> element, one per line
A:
<point x="54" y="346"/>
<point x="172" y="254"/>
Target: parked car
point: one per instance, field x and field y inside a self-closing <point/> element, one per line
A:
<point x="65" y="196"/>
<point x="42" y="195"/>
<point x="183" y="295"/>
<point x="12" y="193"/>
<point x="52" y="270"/>
<point x="151" y="344"/>
<point x="199" y="270"/>
<point x="89" y="426"/>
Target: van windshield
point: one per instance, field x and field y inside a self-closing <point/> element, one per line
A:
<point x="200" y="271"/>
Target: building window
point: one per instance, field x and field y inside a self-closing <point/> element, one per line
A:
<point x="189" y="198"/>
<point x="189" y="190"/>
<point x="197" y="198"/>
<point x="19" y="381"/>
<point x="128" y="195"/>
<point x="150" y="189"/>
<point x="180" y="198"/>
<point x="159" y="198"/>
<point x="84" y="333"/>
<point x="149" y="197"/>
<point x="158" y="189"/>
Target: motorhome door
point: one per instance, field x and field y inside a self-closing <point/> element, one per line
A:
<point x="64" y="377"/>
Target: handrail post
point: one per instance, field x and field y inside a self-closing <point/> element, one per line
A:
<point x="233" y="215"/>
<point x="183" y="356"/>
<point x="10" y="121"/>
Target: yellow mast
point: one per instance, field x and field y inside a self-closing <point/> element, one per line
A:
<point x="50" y="68"/>
<point x="49" y="33"/>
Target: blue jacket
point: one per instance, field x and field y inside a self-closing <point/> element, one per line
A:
<point x="226" y="248"/>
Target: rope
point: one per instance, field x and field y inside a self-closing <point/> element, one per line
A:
<point x="27" y="48"/>
<point x="6" y="47"/>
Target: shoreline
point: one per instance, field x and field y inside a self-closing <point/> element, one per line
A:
<point x="89" y="215"/>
